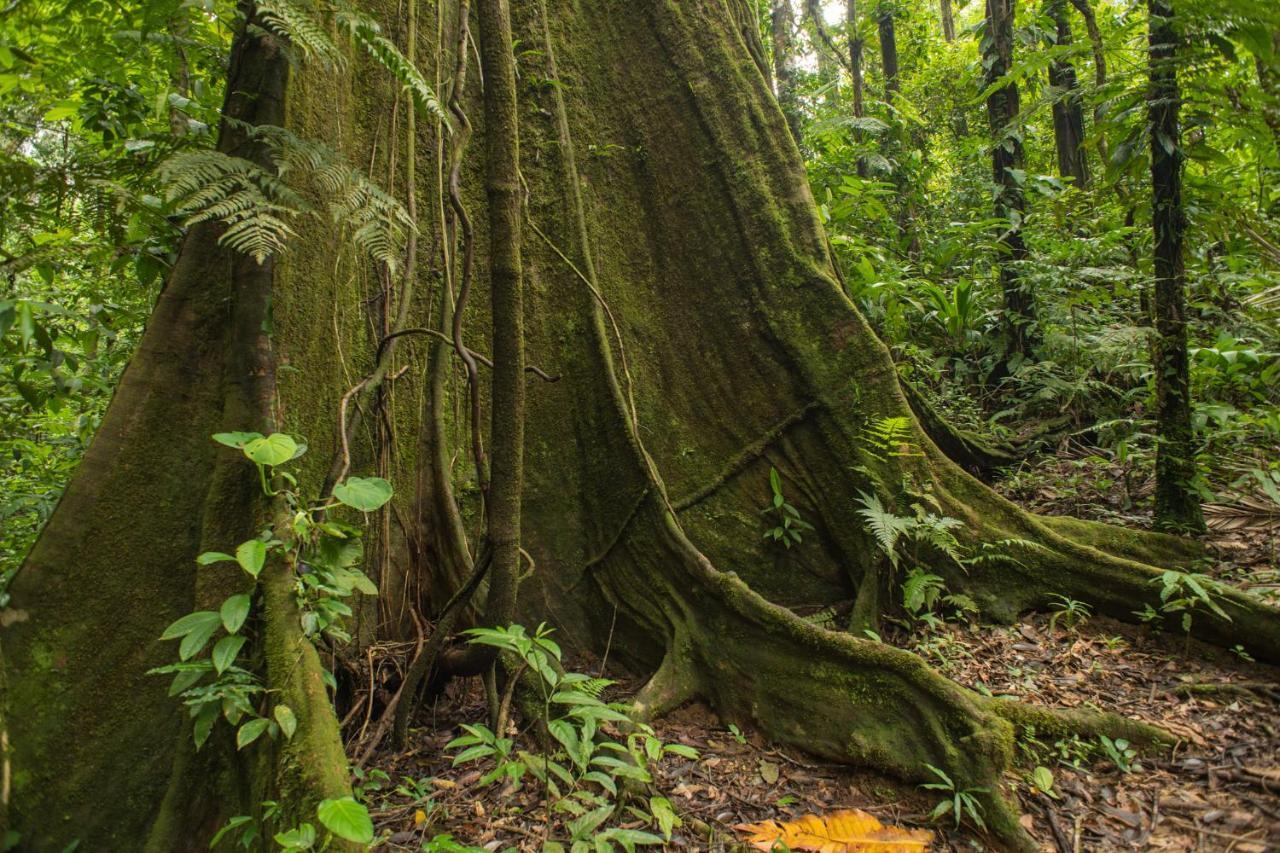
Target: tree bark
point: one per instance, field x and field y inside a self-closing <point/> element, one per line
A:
<point x="1068" y="106"/>
<point x="854" y="34"/>
<point x="682" y="288"/>
<point x="1007" y="164"/>
<point x="948" y="21"/>
<point x="888" y="51"/>
<point x="783" y="23"/>
<point x="1269" y="83"/>
<point x="1177" y="505"/>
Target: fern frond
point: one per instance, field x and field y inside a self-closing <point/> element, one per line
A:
<point x="886" y="527"/>
<point x="365" y="33"/>
<point x="254" y="205"/>
<point x="303" y="27"/>
<point x="891" y="436"/>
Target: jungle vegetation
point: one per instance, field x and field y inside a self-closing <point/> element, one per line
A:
<point x="331" y="321"/>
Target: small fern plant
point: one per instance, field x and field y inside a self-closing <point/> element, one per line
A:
<point x="892" y="531"/>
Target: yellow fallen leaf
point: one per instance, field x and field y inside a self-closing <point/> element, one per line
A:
<point x="419" y="817"/>
<point x="847" y="831"/>
<point x="446" y="784"/>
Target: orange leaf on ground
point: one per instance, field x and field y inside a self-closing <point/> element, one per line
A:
<point x="848" y="831"/>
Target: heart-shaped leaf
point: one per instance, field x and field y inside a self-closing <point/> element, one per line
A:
<point x="346" y="818"/>
<point x="236" y="439"/>
<point x="275" y="449"/>
<point x="251" y="556"/>
<point x="234" y="611"/>
<point x="363" y="493"/>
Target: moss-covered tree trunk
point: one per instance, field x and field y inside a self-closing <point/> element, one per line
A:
<point x="1177" y="503"/>
<point x="1008" y="162"/>
<point x="677" y="280"/>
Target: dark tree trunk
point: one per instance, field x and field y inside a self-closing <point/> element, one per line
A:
<point x="1007" y="161"/>
<point x="1177" y="505"/>
<point x="683" y="290"/>
<point x="1269" y="83"/>
<point x="855" y="71"/>
<point x="888" y="51"/>
<point x="948" y="21"/>
<point x="783" y="24"/>
<point x="855" y="56"/>
<point x="1068" y="106"/>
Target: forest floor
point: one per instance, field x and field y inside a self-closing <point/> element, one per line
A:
<point x="1220" y="789"/>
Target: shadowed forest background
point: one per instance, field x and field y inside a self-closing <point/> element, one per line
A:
<point x="547" y="425"/>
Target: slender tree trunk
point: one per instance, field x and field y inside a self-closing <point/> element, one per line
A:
<point x="1269" y="83"/>
<point x="854" y="34"/>
<point x="783" y="22"/>
<point x="1068" y="106"/>
<point x="1177" y="505"/>
<point x="888" y="50"/>
<point x="502" y="173"/>
<point x="1007" y="162"/>
<point x="948" y="21"/>
<point x="855" y="56"/>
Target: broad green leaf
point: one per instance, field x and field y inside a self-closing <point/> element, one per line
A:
<point x="195" y="629"/>
<point x="363" y="493"/>
<point x="251" y="731"/>
<point x="208" y="558"/>
<point x="275" y="449"/>
<point x="225" y="651"/>
<point x="300" y="838"/>
<point x="236" y="439"/>
<point x="234" y="611"/>
<point x="347" y="819"/>
<point x="203" y="724"/>
<point x="187" y="624"/>
<point x="252" y="555"/>
<point x="288" y="722"/>
<point x="195" y="641"/>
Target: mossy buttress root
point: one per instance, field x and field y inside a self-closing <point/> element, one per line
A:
<point x="833" y="694"/>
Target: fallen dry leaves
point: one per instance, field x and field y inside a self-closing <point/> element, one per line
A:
<point x="846" y="831"/>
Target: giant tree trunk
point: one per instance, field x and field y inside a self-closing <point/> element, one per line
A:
<point x="1177" y="505"/>
<point x="1007" y="159"/>
<point x="682" y="289"/>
